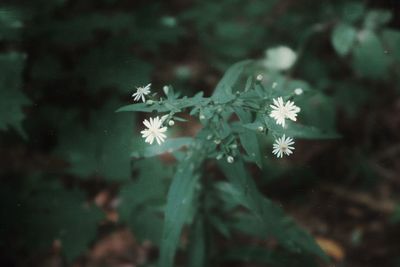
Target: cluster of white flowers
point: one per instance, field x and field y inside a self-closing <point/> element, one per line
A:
<point x="155" y="128"/>
<point x="280" y="112"/>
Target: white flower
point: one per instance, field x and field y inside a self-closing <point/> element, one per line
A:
<point x="280" y="58"/>
<point x="154" y="131"/>
<point x="283" y="146"/>
<point x="298" y="91"/>
<point x="282" y="111"/>
<point x="141" y="92"/>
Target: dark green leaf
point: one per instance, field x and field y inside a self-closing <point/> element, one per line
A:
<point x="248" y="138"/>
<point x="47" y="211"/>
<point x="103" y="148"/>
<point x="223" y="90"/>
<point x="270" y="217"/>
<point x="11" y="99"/>
<point x="140" y="200"/>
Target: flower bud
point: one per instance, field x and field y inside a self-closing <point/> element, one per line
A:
<point x="171" y="123"/>
<point x="165" y="89"/>
<point x="230" y="159"/>
<point x="298" y="91"/>
<point x="259" y="77"/>
<point x="260" y="129"/>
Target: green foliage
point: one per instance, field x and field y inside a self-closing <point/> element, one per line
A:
<point x="220" y="138"/>
<point x="343" y="38"/>
<point x="102" y="148"/>
<point x="46" y="211"/>
<point x="168" y="146"/>
<point x="10" y="24"/>
<point x="141" y="200"/>
<point x="180" y="203"/>
<point x="12" y="100"/>
<point x="74" y="59"/>
<point x="268" y="216"/>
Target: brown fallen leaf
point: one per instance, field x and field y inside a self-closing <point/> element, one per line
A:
<point x="331" y="248"/>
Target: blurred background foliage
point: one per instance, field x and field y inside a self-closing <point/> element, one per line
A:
<point x="69" y="186"/>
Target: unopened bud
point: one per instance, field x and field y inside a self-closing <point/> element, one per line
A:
<point x="298" y="91"/>
<point x="260" y="129"/>
<point x="165" y="89"/>
<point x="171" y="123"/>
<point x="230" y="159"/>
<point x="149" y="102"/>
<point x="259" y="77"/>
<point x="217" y="141"/>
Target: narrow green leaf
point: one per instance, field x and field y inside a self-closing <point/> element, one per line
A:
<point x="169" y="146"/>
<point x="248" y="138"/>
<point x="197" y="246"/>
<point x="297" y="130"/>
<point x="167" y="105"/>
<point x="270" y="217"/>
<point x="179" y="204"/>
<point x="223" y="90"/>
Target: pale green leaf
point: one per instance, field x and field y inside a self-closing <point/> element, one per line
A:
<point x="369" y="57"/>
<point x="343" y="38"/>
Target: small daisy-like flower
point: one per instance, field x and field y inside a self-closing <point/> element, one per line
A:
<point x="154" y="131"/>
<point x="283" y="146"/>
<point x="281" y="111"/>
<point x="141" y="92"/>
